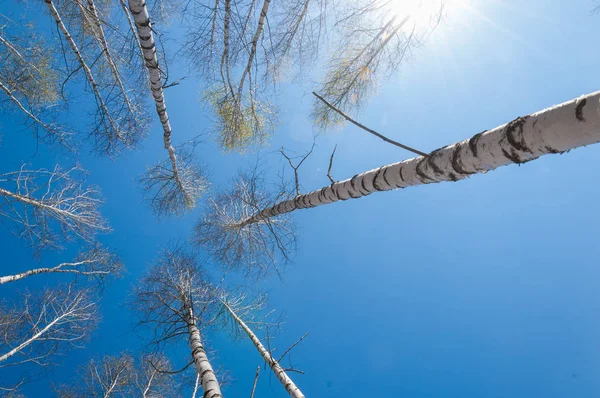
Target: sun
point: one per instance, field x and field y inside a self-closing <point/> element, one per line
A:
<point x="420" y="13"/>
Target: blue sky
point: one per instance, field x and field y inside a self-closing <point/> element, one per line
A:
<point x="482" y="288"/>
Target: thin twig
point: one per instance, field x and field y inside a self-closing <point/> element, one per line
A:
<point x="330" y="165"/>
<point x="255" y="381"/>
<point x="375" y="133"/>
<point x="295" y="168"/>
<point x="292" y="346"/>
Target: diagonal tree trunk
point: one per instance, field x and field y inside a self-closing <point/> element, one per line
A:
<point x="285" y="380"/>
<point x="208" y="379"/>
<point x="144" y="29"/>
<point x="554" y="130"/>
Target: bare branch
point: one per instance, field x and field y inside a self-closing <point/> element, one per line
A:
<point x="348" y="118"/>
<point x="330" y="165"/>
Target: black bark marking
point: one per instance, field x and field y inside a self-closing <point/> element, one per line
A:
<point x="430" y="161"/>
<point x="516" y="127"/>
<point x="549" y="149"/>
<point x="422" y="176"/>
<point x="385" y="178"/>
<point x="513" y="156"/>
<point x="456" y="163"/>
<point x="453" y="177"/>
<point x="375" y="185"/>
<point x="362" y="184"/>
<point x="353" y="188"/>
<point x="473" y="142"/>
<point x="579" y="109"/>
<point x="353" y="185"/>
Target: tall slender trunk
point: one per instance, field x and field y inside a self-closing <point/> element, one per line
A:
<point x="285" y="380"/>
<point x="208" y="379"/>
<point x="144" y="29"/>
<point x="554" y="130"/>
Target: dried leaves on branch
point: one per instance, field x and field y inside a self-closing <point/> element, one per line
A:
<point x="374" y="38"/>
<point x="45" y="206"/>
<point x="251" y="248"/>
<point x="29" y="83"/>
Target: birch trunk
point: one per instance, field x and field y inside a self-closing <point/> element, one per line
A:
<point x="208" y="379"/>
<point x="58" y="269"/>
<point x="144" y="29"/>
<point x="289" y="385"/>
<point x="257" y="33"/>
<point x="554" y="130"/>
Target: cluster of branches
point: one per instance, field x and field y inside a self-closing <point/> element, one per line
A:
<point x="122" y="376"/>
<point x="241" y="47"/>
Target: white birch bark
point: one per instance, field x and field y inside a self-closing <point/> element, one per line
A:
<point x="554" y="130"/>
<point x="285" y="380"/>
<point x="144" y="28"/>
<point x="257" y="33"/>
<point x="61" y="268"/>
<point x="208" y="378"/>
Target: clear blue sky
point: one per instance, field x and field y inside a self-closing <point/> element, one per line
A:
<point x="482" y="288"/>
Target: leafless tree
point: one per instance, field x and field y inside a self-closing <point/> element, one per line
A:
<point x="175" y="300"/>
<point x="123" y="376"/>
<point x="96" y="263"/>
<point x="248" y="247"/>
<point x="29" y="82"/>
<point x="373" y="38"/>
<point x="45" y="325"/>
<point x="39" y="205"/>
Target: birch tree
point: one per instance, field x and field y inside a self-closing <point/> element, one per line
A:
<point x="229" y="305"/>
<point x="373" y="38"/>
<point x="42" y="206"/>
<point x="176" y="185"/>
<point x="175" y="300"/>
<point x="554" y="130"/>
<point x="123" y="376"/>
<point x="95" y="263"/>
<point x="44" y="326"/>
